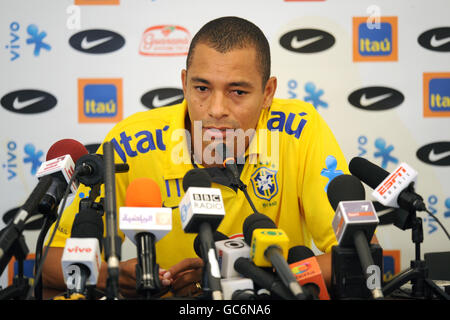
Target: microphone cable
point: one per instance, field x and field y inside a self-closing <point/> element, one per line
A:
<point x="439" y="222"/>
<point x="44" y="256"/>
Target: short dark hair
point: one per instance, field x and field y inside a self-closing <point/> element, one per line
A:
<point x="227" y="33"/>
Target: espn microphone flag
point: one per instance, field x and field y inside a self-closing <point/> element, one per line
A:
<point x="388" y="191"/>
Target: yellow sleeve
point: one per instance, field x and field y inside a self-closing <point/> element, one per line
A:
<point x="323" y="161"/>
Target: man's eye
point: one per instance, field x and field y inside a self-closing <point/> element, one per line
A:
<point x="240" y="92"/>
<point x="201" y="88"/>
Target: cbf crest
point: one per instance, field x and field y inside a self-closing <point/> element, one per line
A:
<point x="264" y="182"/>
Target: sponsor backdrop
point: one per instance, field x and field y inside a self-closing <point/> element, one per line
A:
<point x="377" y="71"/>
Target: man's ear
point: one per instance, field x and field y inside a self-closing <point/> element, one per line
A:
<point x="184" y="80"/>
<point x="269" y="91"/>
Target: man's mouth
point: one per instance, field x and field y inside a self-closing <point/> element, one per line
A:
<point x="216" y="132"/>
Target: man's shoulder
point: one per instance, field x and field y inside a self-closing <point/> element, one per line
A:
<point x="151" y="119"/>
<point x="291" y="106"/>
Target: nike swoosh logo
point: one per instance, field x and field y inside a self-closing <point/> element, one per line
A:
<point x="438" y="43"/>
<point x="156" y="102"/>
<point x="86" y="44"/>
<point x="297" y="44"/>
<point x="365" y="102"/>
<point x="18" y="105"/>
<point x="434" y="157"/>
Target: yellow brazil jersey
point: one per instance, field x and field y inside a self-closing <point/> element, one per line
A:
<point x="292" y="158"/>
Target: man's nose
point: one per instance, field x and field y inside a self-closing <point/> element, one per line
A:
<point x="218" y="106"/>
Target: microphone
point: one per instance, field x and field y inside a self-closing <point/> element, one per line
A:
<point x="80" y="264"/>
<point x="229" y="163"/>
<point x="91" y="169"/>
<point x="238" y="289"/>
<point x="306" y="269"/>
<point x="394" y="189"/>
<point x="15" y="227"/>
<point x="269" y="247"/>
<point x="228" y="251"/>
<point x="262" y="278"/>
<point x="201" y="211"/>
<point x="144" y="221"/>
<point x="60" y="165"/>
<point x="112" y="240"/>
<point x="355" y="222"/>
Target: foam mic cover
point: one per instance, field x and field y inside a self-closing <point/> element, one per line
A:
<point x="143" y="192"/>
<point x="299" y="253"/>
<point x="66" y="146"/>
<point x="345" y="187"/>
<point x="256" y="221"/>
<point x="367" y="172"/>
<point x="196" y="178"/>
<point x="218" y="236"/>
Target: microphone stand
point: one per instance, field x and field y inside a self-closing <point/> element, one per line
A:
<point x="20" y="286"/>
<point x="48" y="221"/>
<point x="422" y="286"/>
<point x="112" y="241"/>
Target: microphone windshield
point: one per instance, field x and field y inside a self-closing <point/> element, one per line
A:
<point x="218" y="236"/>
<point x="143" y="192"/>
<point x="299" y="253"/>
<point x="66" y="146"/>
<point x="367" y="172"/>
<point x="345" y="187"/>
<point x="196" y="178"/>
<point x="256" y="221"/>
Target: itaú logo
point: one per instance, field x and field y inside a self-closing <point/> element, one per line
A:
<point x="78" y="249"/>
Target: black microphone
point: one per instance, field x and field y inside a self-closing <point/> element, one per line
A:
<point x="112" y="242"/>
<point x="217" y="236"/>
<point x="391" y="189"/>
<point x="60" y="164"/>
<point x="269" y="248"/>
<point x="305" y="267"/>
<point x="229" y="162"/>
<point x="263" y="278"/>
<point x="15" y="227"/>
<point x="201" y="211"/>
<point x="354" y="222"/>
<point x="91" y="169"/>
<point x="81" y="256"/>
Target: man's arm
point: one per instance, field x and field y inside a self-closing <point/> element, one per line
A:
<point x="53" y="279"/>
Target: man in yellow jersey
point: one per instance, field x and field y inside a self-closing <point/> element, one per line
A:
<point x="287" y="155"/>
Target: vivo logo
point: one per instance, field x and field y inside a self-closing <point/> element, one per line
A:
<point x="78" y="249"/>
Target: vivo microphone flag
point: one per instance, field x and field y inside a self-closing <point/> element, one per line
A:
<point x="81" y="251"/>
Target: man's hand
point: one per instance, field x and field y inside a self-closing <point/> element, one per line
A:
<point x="184" y="277"/>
